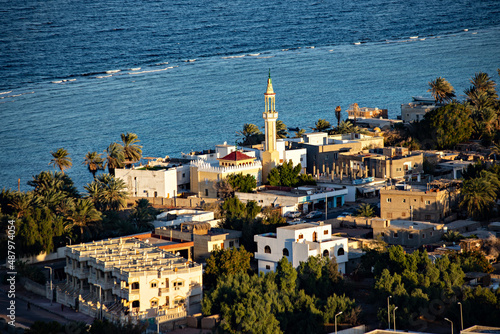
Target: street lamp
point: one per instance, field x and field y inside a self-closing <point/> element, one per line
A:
<point x="461" y="316"/>
<point x="336" y="315"/>
<point x="451" y="322"/>
<point x="51" y="292"/>
<point x="388" y="313"/>
<point x="394" y="316"/>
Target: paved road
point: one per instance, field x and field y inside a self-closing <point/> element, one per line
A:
<point x="23" y="315"/>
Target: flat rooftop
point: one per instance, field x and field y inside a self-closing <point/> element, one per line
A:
<point x="415" y="225"/>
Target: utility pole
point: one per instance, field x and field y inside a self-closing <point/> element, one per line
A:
<point x="51" y="291"/>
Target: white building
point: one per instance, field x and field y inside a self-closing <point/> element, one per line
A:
<point x="415" y="110"/>
<point x="177" y="217"/>
<point x="126" y="278"/>
<point x="297" y="243"/>
<point x="156" y="180"/>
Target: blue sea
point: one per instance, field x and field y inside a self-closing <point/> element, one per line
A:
<point x="186" y="75"/>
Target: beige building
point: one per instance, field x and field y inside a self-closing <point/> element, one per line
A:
<point x="126" y="278"/>
<point x="389" y="162"/>
<point x="407" y="233"/>
<point x="355" y="111"/>
<point x="415" y="110"/>
<point x="204" y="175"/>
<point x="205" y="237"/>
<point x="323" y="150"/>
<point x="405" y="202"/>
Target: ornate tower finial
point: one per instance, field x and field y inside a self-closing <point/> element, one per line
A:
<point x="269" y="73"/>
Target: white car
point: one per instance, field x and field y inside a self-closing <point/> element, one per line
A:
<point x="314" y="214"/>
<point x="293" y="214"/>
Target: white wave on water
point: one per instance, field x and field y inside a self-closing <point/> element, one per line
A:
<point x="164" y="63"/>
<point x="112" y="71"/>
<point x="266" y="57"/>
<point x="57" y="82"/>
<point x="103" y="76"/>
<point x="151" y="71"/>
<point x="253" y="54"/>
<point x="190" y="60"/>
<point x="231" y="57"/>
<point x="413" y="37"/>
<point x="6" y="92"/>
<point x="135" y="69"/>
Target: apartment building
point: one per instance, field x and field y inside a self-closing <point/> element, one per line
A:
<point x="297" y="243"/>
<point x="129" y="279"/>
<point x="415" y="110"/>
<point x="407" y="233"/>
<point x="427" y="204"/>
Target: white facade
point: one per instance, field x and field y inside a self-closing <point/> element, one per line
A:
<point x="159" y="182"/>
<point x="297" y="243"/>
<point x="126" y="278"/>
<point x="415" y="111"/>
<point x="184" y="216"/>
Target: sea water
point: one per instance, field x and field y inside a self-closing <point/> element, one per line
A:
<point x="186" y="75"/>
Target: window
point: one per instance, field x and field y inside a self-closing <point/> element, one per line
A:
<point x="285" y="252"/>
<point x="432" y="234"/>
<point x="268" y="267"/>
<point x="178" y="285"/>
<point x="395" y="234"/>
<point x="154" y="284"/>
<point x="340" y="252"/>
<point x="156" y="194"/>
<point x="410" y="236"/>
<point x="231" y="244"/>
<point x="382" y="234"/>
<point x="403" y="214"/>
<point x="427" y="202"/>
<point x="301" y="236"/>
<point x="206" y="192"/>
<point x="427" y="217"/>
<point x="215" y="247"/>
<point x="135" y="286"/>
<point x="154" y="303"/>
<point x="267" y="250"/>
<point x="136" y="303"/>
<point x="326" y="253"/>
<point x="404" y="200"/>
<point x="183" y="174"/>
<point x="389" y="200"/>
<point x="423" y="236"/>
<point x="325" y="232"/>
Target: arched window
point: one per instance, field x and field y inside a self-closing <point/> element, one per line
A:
<point x="340" y="251"/>
<point x="285" y="252"/>
<point x="326" y="253"/>
<point x="267" y="250"/>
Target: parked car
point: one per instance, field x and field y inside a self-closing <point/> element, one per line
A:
<point x="293" y="214"/>
<point x="314" y="214"/>
<point x="296" y="221"/>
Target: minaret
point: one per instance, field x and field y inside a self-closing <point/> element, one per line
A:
<point x="270" y="156"/>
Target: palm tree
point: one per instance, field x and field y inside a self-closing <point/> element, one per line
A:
<point x="94" y="162"/>
<point x="481" y="82"/>
<point x="345" y="127"/>
<point x="131" y="150"/>
<point x="281" y="130"/>
<point x="61" y="159"/>
<point x="115" y="157"/>
<point x="22" y="202"/>
<point x="299" y="133"/>
<point x="479" y="194"/>
<point x="249" y="130"/>
<point x="107" y="192"/>
<point x="321" y="125"/>
<point x="84" y="213"/>
<point x="143" y="214"/>
<point x="366" y="210"/>
<point x="441" y="90"/>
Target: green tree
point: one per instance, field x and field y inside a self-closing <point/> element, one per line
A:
<point x="61" y="159"/>
<point x="107" y="192"/>
<point x="143" y="214"/>
<point x="345" y="127"/>
<point x="299" y="133"/>
<point x="250" y="134"/>
<point x="441" y="90"/>
<point x="131" y="150"/>
<point x="115" y="157"/>
<point x="84" y="214"/>
<point x="94" y="162"/>
<point x="285" y="175"/>
<point x="450" y="125"/>
<point x="366" y="210"/>
<point x="321" y="125"/>
<point x="479" y="194"/>
<point x="242" y="183"/>
<point x="226" y="262"/>
<point x="286" y="276"/>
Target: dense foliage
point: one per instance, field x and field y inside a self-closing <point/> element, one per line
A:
<point x="287" y="175"/>
<point x="242" y="183"/>
<point x="226" y="262"/>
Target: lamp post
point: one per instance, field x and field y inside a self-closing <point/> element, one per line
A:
<point x="461" y="317"/>
<point x="394" y="316"/>
<point x="326" y="207"/>
<point x="336" y="315"/>
<point x="388" y="312"/>
<point x="51" y="291"/>
<point x="69" y="240"/>
<point x="451" y="322"/>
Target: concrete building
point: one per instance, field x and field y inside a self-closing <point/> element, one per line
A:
<point x="155" y="180"/>
<point x="177" y="217"/>
<point x="305" y="198"/>
<point x="323" y="150"/>
<point x="407" y="233"/>
<point x="204" y="175"/>
<point x="297" y="243"/>
<point x="415" y="110"/>
<point x="404" y="202"/>
<point x="385" y="163"/>
<point x="205" y="237"/>
<point x="130" y="279"/>
<point x="355" y="112"/>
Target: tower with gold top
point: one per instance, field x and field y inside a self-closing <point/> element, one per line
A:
<point x="270" y="156"/>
